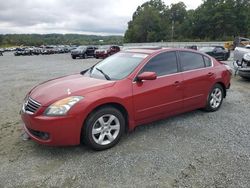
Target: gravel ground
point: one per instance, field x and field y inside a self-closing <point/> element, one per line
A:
<point x="195" y="149"/>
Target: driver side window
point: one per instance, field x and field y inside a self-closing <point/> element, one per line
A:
<point x="162" y="64"/>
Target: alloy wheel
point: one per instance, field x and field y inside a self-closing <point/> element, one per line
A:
<point x="216" y="98"/>
<point x="106" y="129"/>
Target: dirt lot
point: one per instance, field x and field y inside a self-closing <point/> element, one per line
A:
<point x="196" y="149"/>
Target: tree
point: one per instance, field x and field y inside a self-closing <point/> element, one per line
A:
<point x="147" y="23"/>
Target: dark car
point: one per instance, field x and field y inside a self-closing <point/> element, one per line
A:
<point x="83" y="52"/>
<point x="243" y="67"/>
<point x="128" y="89"/>
<point x="105" y="51"/>
<point x="23" y="52"/>
<point x="193" y="47"/>
<point x="218" y="52"/>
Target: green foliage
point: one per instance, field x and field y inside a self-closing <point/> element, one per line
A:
<point x="149" y="23"/>
<point x="153" y="21"/>
<point x="54" y="39"/>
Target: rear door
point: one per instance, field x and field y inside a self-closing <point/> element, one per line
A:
<point x="198" y="78"/>
<point x="160" y="96"/>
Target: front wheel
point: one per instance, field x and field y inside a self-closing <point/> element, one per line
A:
<point x="85" y="56"/>
<point x="103" y="128"/>
<point x="215" y="98"/>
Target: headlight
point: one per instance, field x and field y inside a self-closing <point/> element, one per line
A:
<point x="61" y="107"/>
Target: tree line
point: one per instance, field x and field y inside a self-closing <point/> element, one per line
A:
<point x="57" y="39"/>
<point x="219" y="20"/>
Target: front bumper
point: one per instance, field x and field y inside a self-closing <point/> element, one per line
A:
<point x="53" y="131"/>
<point x="101" y="55"/>
<point x="244" y="72"/>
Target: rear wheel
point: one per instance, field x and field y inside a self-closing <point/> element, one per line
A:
<point x="73" y="57"/>
<point x="215" y="98"/>
<point x="103" y="128"/>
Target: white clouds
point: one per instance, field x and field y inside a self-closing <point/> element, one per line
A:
<point x="70" y="16"/>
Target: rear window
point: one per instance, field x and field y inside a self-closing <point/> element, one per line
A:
<point x="191" y="61"/>
<point x="207" y="61"/>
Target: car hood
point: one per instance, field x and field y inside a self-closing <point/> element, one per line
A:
<point x="73" y="85"/>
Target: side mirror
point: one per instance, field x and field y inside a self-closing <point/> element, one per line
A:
<point x="147" y="76"/>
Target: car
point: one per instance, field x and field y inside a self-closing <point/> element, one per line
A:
<point x="193" y="47"/>
<point x="121" y="92"/>
<point x="243" y="67"/>
<point x="23" y="52"/>
<point x="218" y="52"/>
<point x="106" y="51"/>
<point x="83" y="52"/>
<point x="239" y="52"/>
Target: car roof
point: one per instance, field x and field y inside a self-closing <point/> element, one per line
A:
<point x="145" y="50"/>
<point x="157" y="50"/>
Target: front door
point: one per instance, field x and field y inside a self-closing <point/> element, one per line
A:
<point x="163" y="95"/>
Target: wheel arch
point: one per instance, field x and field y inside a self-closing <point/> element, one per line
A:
<point x="116" y="105"/>
<point x="224" y="88"/>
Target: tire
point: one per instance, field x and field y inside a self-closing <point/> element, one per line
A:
<point x="103" y="128"/>
<point x="73" y="57"/>
<point x="215" y="98"/>
<point x="225" y="57"/>
<point x="85" y="56"/>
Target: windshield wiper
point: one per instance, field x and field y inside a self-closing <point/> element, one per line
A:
<point x="105" y="75"/>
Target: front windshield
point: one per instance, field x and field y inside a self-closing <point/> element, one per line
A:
<point x="81" y="47"/>
<point x="207" y="49"/>
<point x="117" y="66"/>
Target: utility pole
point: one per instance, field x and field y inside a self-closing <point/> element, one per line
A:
<point x="172" y="30"/>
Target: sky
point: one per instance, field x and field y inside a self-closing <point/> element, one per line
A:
<point x="99" y="17"/>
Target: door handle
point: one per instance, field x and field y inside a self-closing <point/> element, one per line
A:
<point x="210" y="74"/>
<point x="176" y="83"/>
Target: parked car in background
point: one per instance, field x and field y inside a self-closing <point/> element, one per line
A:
<point x="239" y="52"/>
<point x="238" y="42"/>
<point x="105" y="51"/>
<point x="242" y="61"/>
<point x="243" y="66"/>
<point x="1" y="51"/>
<point x="192" y="47"/>
<point x="218" y="52"/>
<point x="23" y="52"/>
<point x="83" y="52"/>
<point x="125" y="90"/>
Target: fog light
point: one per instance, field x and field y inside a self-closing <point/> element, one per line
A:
<point x="45" y="136"/>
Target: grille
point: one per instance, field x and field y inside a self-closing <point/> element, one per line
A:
<point x="31" y="106"/>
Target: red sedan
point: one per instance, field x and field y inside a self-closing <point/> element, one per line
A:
<point x="128" y="89"/>
<point x="106" y="51"/>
